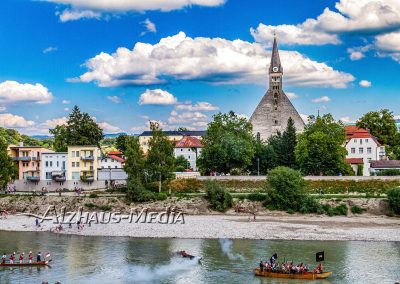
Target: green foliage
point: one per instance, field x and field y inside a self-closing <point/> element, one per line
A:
<point x="335" y="210"/>
<point x="228" y="144"/>
<point x="8" y="170"/>
<point x="218" y="197"/>
<point x="120" y="142"/>
<point x="90" y="205"/>
<point x="181" y="164"/>
<point x="160" y="157"/>
<point x="320" y="147"/>
<point x="393" y="196"/>
<point x="256" y="196"/>
<point x="389" y="172"/>
<point x="185" y="185"/>
<point x="355" y="209"/>
<point x="349" y="186"/>
<point x="93" y="195"/>
<point x="60" y="138"/>
<point x="264" y="158"/>
<point x="360" y="169"/>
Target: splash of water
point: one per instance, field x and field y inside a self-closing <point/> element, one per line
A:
<point x="226" y="246"/>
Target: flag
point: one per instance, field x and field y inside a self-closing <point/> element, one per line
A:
<point x="320" y="256"/>
<point x="47" y="255"/>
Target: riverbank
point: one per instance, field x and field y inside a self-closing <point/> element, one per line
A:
<point x="277" y="227"/>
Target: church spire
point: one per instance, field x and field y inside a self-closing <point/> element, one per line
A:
<point x="275" y="66"/>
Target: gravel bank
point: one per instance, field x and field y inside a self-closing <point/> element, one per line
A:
<point x="363" y="228"/>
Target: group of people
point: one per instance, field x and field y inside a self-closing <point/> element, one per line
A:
<point x="13" y="258"/>
<point x="11" y="189"/>
<point x="287" y="267"/>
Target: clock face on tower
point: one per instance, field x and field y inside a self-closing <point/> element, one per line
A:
<point x="275" y="69"/>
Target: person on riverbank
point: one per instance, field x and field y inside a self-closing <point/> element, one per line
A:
<point x="12" y="257"/>
<point x="37" y="222"/>
<point x="3" y="258"/>
<point x="21" y="257"/>
<point x="30" y="256"/>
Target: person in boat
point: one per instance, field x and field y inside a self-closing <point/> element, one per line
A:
<point x="12" y="257"/>
<point x="30" y="257"/>
<point x="319" y="268"/>
<point x="273" y="258"/>
<point x="3" y="258"/>
<point x="183" y="253"/>
<point x="262" y="265"/>
<point x="39" y="257"/>
<point x="21" y="257"/>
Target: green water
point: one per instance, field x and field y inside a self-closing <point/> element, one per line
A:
<point x="79" y="259"/>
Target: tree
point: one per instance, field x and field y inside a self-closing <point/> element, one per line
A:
<point x="264" y="158"/>
<point x="228" y="144"/>
<point x="60" y="138"/>
<point x="120" y="142"/>
<point x="160" y="157"/>
<point x="320" y="147"/>
<point x="181" y="164"/>
<point x="8" y="170"/>
<point x="287" y="156"/>
<point x="218" y="197"/>
<point x="381" y="124"/>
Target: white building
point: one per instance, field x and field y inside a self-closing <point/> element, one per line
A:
<point x="114" y="160"/>
<point x="362" y="148"/>
<point x="190" y="148"/>
<point x="54" y="166"/>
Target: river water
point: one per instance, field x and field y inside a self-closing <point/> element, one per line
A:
<point x="80" y="259"/>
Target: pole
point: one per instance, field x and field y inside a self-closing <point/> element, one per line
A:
<point x="159" y="185"/>
<point x="258" y="166"/>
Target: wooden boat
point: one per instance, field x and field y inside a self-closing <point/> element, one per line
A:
<point x="306" y="275"/>
<point x="40" y="263"/>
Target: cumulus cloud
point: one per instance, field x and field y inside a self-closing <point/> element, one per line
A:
<point x="186" y="118"/>
<point x="114" y="99"/>
<point x="323" y="99"/>
<point x="365" y="83"/>
<point x="52" y="123"/>
<point x="95" y="8"/>
<point x="345" y="119"/>
<point x="200" y="106"/>
<point x="66" y="102"/>
<point x="212" y="60"/>
<point x="13" y="91"/>
<point x="150" y="27"/>
<point x="291" y="95"/>
<point x="9" y="120"/>
<point x="389" y="45"/>
<point x="109" y="128"/>
<point x="157" y="97"/>
<point x="357" y="53"/>
<point x="66" y="109"/>
<point x="49" y="49"/>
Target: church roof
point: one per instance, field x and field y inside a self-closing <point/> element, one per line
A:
<point x="275" y="59"/>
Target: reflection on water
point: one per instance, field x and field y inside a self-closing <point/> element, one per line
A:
<point x="79" y="259"/>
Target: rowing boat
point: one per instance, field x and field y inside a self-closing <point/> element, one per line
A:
<point x="306" y="275"/>
<point x="39" y="263"/>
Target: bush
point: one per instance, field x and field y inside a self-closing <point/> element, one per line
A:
<point x="311" y="205"/>
<point x="185" y="185"/>
<point x="137" y="193"/>
<point x="334" y="211"/>
<point x="93" y="195"/>
<point x="161" y="196"/>
<point x="393" y="196"/>
<point x="217" y="196"/>
<point x="355" y="209"/>
<point x="389" y="172"/>
<point x="256" y="196"/>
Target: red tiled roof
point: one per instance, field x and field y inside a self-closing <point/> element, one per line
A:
<point x="350" y="129"/>
<point x="189" y="142"/>
<point x="119" y="159"/>
<point x="115" y="153"/>
<point x="355" y="132"/>
<point x="354" y="160"/>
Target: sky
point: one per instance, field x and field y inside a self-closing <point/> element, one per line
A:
<point x="179" y="62"/>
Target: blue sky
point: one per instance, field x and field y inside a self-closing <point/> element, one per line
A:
<point x="128" y="62"/>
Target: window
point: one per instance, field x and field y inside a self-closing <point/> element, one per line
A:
<point x="73" y="164"/>
<point x="112" y="160"/>
<point x="105" y="160"/>
<point x="355" y="140"/>
<point x="63" y="165"/>
<point x="47" y="164"/>
<point x="77" y="164"/>
<point x="116" y="167"/>
<point x="361" y="150"/>
<point x="75" y="175"/>
<point x="51" y="163"/>
<point x="181" y="149"/>
<point x="188" y="157"/>
<point x="258" y="136"/>
<point x="73" y="154"/>
<point x="276" y="122"/>
<point x="353" y="150"/>
<point x="189" y="149"/>
<point x="366" y="140"/>
<point x="369" y="160"/>
<point x="360" y="141"/>
<point x="58" y="164"/>
<point x="109" y="167"/>
<point x="369" y="150"/>
<point x="48" y="175"/>
<point x="77" y="153"/>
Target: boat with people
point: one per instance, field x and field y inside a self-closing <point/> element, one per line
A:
<point x="305" y="275"/>
<point x="40" y="263"/>
<point x="184" y="254"/>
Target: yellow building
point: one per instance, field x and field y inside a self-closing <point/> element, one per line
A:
<point x="83" y="162"/>
<point x="173" y="136"/>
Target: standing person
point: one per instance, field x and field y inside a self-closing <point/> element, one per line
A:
<point x="37" y="222"/>
<point x="21" y="257"/>
<point x="39" y="257"/>
<point x="3" y="258"/>
<point x="30" y="256"/>
<point x="12" y="257"/>
<point x="15" y="189"/>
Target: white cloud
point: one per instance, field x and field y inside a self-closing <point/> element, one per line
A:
<point x="157" y="97"/>
<point x="2" y="108"/>
<point x="150" y="27"/>
<point x="357" y="53"/>
<point x="73" y="15"/>
<point x="95" y="8"/>
<point x="109" y="128"/>
<point x="291" y="95"/>
<point x="222" y="62"/>
<point x="12" y="92"/>
<point x="114" y="99"/>
<point x="66" y="109"/>
<point x="389" y="45"/>
<point x="302" y="34"/>
<point x="50" y="49"/>
<point x="200" y="106"/>
<point x="365" y="83"/>
<point x="9" y="120"/>
<point x="52" y="123"/>
<point x="186" y="118"/>
<point x="323" y="99"/>
<point x="345" y="119"/>
<point x="66" y="102"/>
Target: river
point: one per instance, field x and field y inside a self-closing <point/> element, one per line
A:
<point x="81" y="259"/>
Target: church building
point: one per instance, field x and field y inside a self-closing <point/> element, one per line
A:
<point x="275" y="108"/>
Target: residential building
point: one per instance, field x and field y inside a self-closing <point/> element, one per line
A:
<point x="54" y="166"/>
<point x="380" y="165"/>
<point x="190" y="148"/>
<point x="114" y="160"/>
<point x="362" y="148"/>
<point x="83" y="162"/>
<point x="172" y="136"/>
<point x="28" y="160"/>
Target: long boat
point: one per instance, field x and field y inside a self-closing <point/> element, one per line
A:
<point x="39" y="263"/>
<point x="306" y="275"/>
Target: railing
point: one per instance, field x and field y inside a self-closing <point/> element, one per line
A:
<point x="87" y="178"/>
<point x="87" y="158"/>
<point x="36" y="158"/>
<point x="34" y="178"/>
<point x="59" y="178"/>
<point x="23" y="159"/>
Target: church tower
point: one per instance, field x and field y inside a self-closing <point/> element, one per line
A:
<point x="274" y="109"/>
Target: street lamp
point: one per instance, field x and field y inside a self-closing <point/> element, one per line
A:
<point x="258" y="166"/>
